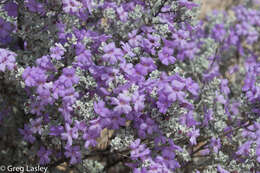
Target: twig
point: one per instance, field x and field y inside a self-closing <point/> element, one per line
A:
<point x="160" y="8"/>
<point x="223" y="135"/>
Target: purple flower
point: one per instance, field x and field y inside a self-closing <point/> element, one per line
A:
<point x="127" y="68"/>
<point x="139" y="150"/>
<point x="169" y="93"/>
<point x="100" y="109"/>
<point x="127" y="49"/>
<point x="169" y="158"/>
<point x="70" y="96"/>
<point x="71" y="6"/>
<point x="34" y="76"/>
<point x="56" y="130"/>
<point x="224" y="87"/>
<point x="80" y="47"/>
<point x="205" y="152"/>
<point x="173" y="146"/>
<point x="163" y="104"/>
<point x="235" y="108"/>
<point x="186" y="48"/>
<point x="148" y="47"/>
<point x="165" y="55"/>
<point x="83" y="60"/>
<point x="27" y="134"/>
<point x="36" y="125"/>
<point x="93" y="132"/>
<point x="5" y="30"/>
<point x="244" y="148"/>
<point x="177" y="85"/>
<point x="221" y="170"/>
<point x="7" y="60"/>
<point x="145" y="126"/>
<point x="112" y="54"/>
<point x="249" y="82"/>
<point x="73" y="152"/>
<point x="147" y="29"/>
<point x="57" y="51"/>
<point x="207" y="117"/>
<point x="122" y="103"/>
<point x="160" y="164"/>
<point x="45" y="63"/>
<point x="44" y="94"/>
<point x="89" y="4"/>
<point x="11" y="8"/>
<point x="232" y="38"/>
<point x="215" y="144"/>
<point x="140" y="70"/>
<point x="242" y="28"/>
<point x="35" y="6"/>
<point x="247" y="30"/>
<point x="258" y="152"/>
<point x="134" y="38"/>
<point x="192" y="87"/>
<point x="123" y="15"/>
<point x="66" y="110"/>
<point x="36" y="108"/>
<point x="208" y="75"/>
<point x="173" y="91"/>
<point x="188" y="120"/>
<point x="193" y="134"/>
<point x="69" y="76"/>
<point x="108" y="74"/>
<point x="70" y="134"/>
<point x="147" y="64"/>
<point x="90" y="140"/>
<point x="63" y="86"/>
<point x="138" y="101"/>
<point x="80" y="125"/>
<point x="218" y="32"/>
<point x="116" y="121"/>
<point x="95" y="127"/>
<point x="43" y="154"/>
<point x="154" y="41"/>
<point x="221" y="99"/>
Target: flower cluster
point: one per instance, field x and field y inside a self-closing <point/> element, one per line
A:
<point x="142" y="83"/>
<point x="6" y="29"/>
<point x="7" y="60"/>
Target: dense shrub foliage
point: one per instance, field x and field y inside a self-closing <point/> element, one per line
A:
<point x="129" y="86"/>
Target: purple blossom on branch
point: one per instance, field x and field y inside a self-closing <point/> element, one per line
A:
<point x="43" y="154"/>
<point x="73" y="152"/>
<point x="139" y="150"/>
<point x="70" y="134"/>
<point x="112" y="54"/>
<point x="122" y="103"/>
<point x="193" y="134"/>
<point x="7" y="60"/>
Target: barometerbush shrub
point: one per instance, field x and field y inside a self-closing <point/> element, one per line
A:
<point x="129" y="86"/>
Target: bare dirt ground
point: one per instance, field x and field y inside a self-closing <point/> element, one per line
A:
<point x="207" y="6"/>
